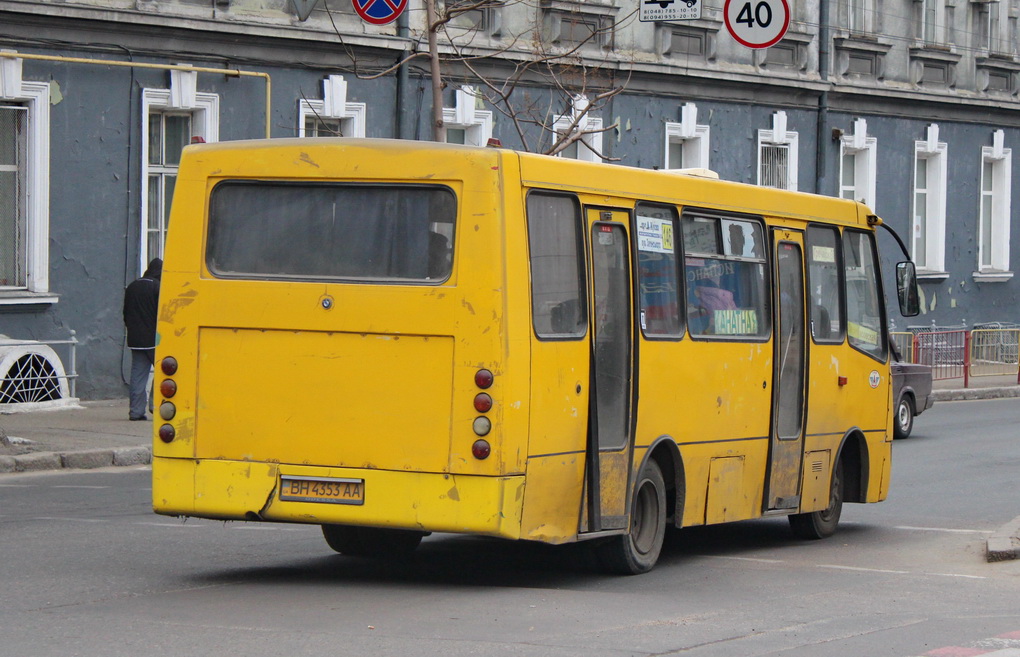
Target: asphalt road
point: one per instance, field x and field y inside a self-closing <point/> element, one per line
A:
<point x="87" y="569"/>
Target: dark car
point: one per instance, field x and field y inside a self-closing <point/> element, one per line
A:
<point x="911" y="394"/>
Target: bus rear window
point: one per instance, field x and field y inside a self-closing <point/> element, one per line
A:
<point x="311" y="231"/>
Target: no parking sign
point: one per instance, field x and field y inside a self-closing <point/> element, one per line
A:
<point x="379" y="12"/>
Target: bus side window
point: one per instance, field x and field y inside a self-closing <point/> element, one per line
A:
<point x="658" y="279"/>
<point x="823" y="256"/>
<point x="724" y="265"/>
<point x="557" y="268"/>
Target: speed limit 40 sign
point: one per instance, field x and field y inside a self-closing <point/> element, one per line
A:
<point x="757" y="23"/>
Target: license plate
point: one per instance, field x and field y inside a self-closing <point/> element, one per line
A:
<point x="320" y="489"/>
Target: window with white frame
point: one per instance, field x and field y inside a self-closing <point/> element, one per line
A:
<point x="932" y="26"/>
<point x="465" y="124"/>
<point x="332" y="116"/>
<point x="997" y="24"/>
<point x="587" y="128"/>
<point x="777" y="155"/>
<point x="687" y="142"/>
<point x="929" y="203"/>
<point x="994" y="213"/>
<point x="858" y="16"/>
<point x="24" y="187"/>
<point x="857" y="165"/>
<point x="172" y="119"/>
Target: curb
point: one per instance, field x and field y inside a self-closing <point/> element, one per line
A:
<point x="960" y="394"/>
<point x="1004" y="545"/>
<point x="82" y="460"/>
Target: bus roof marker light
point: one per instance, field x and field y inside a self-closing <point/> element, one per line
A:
<point x="481" y="449"/>
<point x="483" y="379"/>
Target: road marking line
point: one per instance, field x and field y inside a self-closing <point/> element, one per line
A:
<point x="956" y="575"/>
<point x="18" y="486"/>
<point x="90" y="487"/>
<point x="269" y="528"/>
<point x="171" y="524"/>
<point x="58" y="519"/>
<point x="865" y="570"/>
<point x="945" y="530"/>
<point x="752" y="559"/>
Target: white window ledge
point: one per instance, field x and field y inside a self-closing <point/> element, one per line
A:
<point x="26" y="298"/>
<point x="932" y="275"/>
<point x="992" y="276"/>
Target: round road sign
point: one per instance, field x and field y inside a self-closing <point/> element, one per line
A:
<point x="379" y="12"/>
<point x="757" y="23"/>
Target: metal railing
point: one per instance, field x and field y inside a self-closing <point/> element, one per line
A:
<point x="30" y="380"/>
<point x="986" y="350"/>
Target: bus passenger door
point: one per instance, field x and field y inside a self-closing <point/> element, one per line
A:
<point x="610" y="447"/>
<point x="786" y="443"/>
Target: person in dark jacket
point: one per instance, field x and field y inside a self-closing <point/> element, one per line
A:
<point x="141" y="302"/>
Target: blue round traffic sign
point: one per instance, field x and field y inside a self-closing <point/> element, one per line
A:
<point x="379" y="12"/>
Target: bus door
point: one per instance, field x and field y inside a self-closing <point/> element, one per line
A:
<point x="786" y="443"/>
<point x="610" y="440"/>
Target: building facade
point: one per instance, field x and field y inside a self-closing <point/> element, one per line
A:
<point x="909" y="105"/>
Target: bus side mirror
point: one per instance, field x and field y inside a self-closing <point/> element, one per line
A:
<point x="906" y="289"/>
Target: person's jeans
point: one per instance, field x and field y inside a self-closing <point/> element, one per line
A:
<point x="141" y="364"/>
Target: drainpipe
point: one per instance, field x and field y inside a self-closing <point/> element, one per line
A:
<point x="824" y="38"/>
<point x="403" y="80"/>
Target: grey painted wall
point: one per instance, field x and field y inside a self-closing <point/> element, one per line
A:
<point x="96" y="150"/>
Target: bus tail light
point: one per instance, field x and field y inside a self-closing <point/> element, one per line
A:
<point x="481" y="449"/>
<point x="168" y="365"/>
<point x="483" y="402"/>
<point x="167" y="433"/>
<point x="482" y="426"/>
<point x="168" y="388"/>
<point x="483" y="379"/>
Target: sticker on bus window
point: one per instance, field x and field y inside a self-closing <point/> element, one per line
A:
<point x="823" y="254"/>
<point x="655" y="235"/>
<point x="735" y="322"/>
<point x="862" y="334"/>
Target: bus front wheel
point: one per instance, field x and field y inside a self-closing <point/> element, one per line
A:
<point x="822" y="524"/>
<point x="637" y="551"/>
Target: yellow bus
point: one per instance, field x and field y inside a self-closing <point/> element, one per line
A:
<point x="392" y="338"/>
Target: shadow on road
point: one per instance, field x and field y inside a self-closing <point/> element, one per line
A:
<point x="472" y="561"/>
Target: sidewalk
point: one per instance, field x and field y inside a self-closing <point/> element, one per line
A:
<point x="99" y="435"/>
<point x="89" y="435"/>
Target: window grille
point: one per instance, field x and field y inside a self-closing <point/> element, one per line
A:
<point x="775" y="165"/>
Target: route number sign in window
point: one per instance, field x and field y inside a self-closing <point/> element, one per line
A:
<point x="757" y="23"/>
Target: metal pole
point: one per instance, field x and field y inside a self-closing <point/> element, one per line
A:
<point x="966" y="359"/>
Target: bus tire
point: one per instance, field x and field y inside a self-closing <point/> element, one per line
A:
<point x="343" y="539"/>
<point x="904" y="422"/>
<point x="822" y="524"/>
<point x="637" y="551"/>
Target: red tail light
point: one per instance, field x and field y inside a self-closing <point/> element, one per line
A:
<point x="483" y="402"/>
<point x="481" y="449"/>
<point x="483" y="379"/>
<point x="168" y="365"/>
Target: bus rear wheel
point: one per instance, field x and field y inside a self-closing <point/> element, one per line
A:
<point x="371" y="541"/>
<point x="822" y="524"/>
<point x="637" y="551"/>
